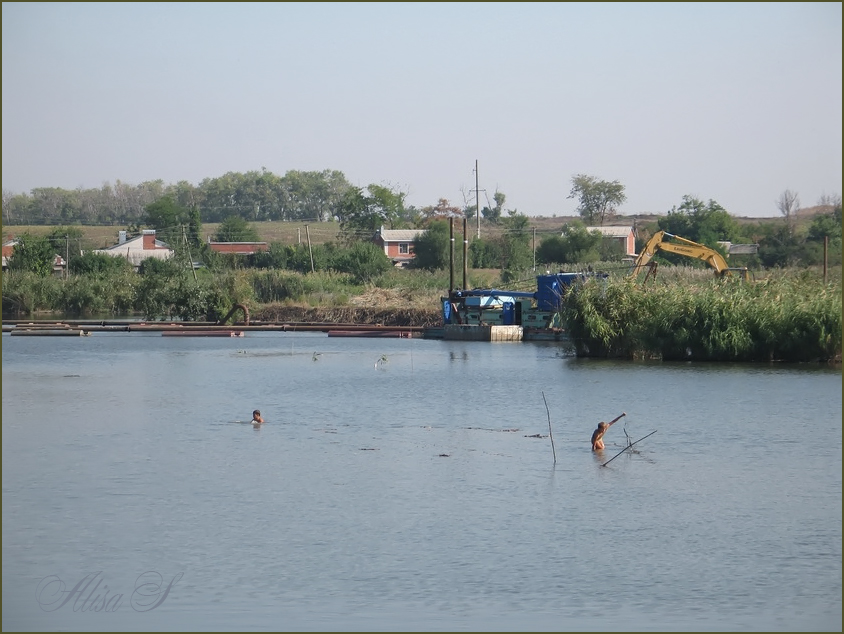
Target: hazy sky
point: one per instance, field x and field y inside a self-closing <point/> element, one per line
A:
<point x="734" y="102"/>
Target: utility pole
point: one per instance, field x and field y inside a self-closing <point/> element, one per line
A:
<point x="477" y="200"/>
<point x="310" y="250"/>
<point x="67" y="256"/>
<point x="190" y="257"/>
<point x="451" y="257"/>
<point x="534" y="249"/>
<point x="465" y="255"/>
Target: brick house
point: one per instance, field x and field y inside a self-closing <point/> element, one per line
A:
<point x="622" y="234"/>
<point x="397" y="244"/>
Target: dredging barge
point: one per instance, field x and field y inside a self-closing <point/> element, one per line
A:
<point x="504" y="315"/>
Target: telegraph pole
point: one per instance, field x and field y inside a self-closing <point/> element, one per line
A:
<point x="477" y="200"/>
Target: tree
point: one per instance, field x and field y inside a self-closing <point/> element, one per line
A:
<point x="168" y="219"/>
<point x="704" y="223"/>
<point x="362" y="214"/>
<point x="431" y="248"/>
<point x="91" y="263"/>
<point x="517" y="252"/>
<point x="598" y="199"/>
<point x="779" y="247"/>
<point x="387" y="203"/>
<point x="364" y="261"/>
<point x="789" y="204"/>
<point x="67" y="242"/>
<point x="827" y="224"/>
<point x="486" y="254"/>
<point x="575" y="245"/>
<point x="354" y="214"/>
<point x="494" y="215"/>
<point x="236" y="229"/>
<point x="442" y="210"/>
<point x="33" y="253"/>
<point x="194" y="232"/>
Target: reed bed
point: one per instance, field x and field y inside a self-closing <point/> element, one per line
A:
<point x="791" y="318"/>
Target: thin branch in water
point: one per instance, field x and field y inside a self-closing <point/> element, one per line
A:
<point x="626" y="448"/>
<point x="624" y="429"/>
<point x="549" y="427"/>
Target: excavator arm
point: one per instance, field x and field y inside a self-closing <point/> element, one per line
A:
<point x="670" y="243"/>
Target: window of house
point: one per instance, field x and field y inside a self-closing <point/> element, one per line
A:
<point x="404" y="248"/>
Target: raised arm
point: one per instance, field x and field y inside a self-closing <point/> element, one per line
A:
<point x="617" y="418"/>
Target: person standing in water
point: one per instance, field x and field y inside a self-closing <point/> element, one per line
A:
<point x="256" y="416"/>
<point x="598" y="434"/>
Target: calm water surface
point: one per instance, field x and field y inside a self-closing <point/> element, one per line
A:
<point x="398" y="485"/>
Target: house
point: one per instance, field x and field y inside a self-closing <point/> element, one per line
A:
<point x="138" y="249"/>
<point x="739" y="249"/>
<point x="59" y="263"/>
<point x="8" y="249"/>
<point x="622" y="234"/>
<point x="238" y="248"/>
<point x="397" y="244"/>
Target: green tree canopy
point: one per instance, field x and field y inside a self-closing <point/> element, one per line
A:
<point x="236" y="229"/>
<point x="361" y="213"/>
<point x="91" y="263"/>
<point x="431" y="248"/>
<point x="33" y="253"/>
<point x="493" y="215"/>
<point x="597" y="199"/>
<point x="169" y="219"/>
<point x="364" y="261"/>
<point x="703" y="223"/>
<point x="576" y="245"/>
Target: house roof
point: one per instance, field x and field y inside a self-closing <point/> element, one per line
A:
<point x="613" y="231"/>
<point x="132" y="244"/>
<point x="138" y="249"/>
<point x="400" y="235"/>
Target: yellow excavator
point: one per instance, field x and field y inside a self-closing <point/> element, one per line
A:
<point x="668" y="242"/>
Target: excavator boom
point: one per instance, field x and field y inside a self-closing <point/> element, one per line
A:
<point x="670" y="243"/>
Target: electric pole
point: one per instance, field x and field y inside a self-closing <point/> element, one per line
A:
<point x="477" y="200"/>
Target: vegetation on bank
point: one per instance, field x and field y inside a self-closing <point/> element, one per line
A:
<point x="789" y="316"/>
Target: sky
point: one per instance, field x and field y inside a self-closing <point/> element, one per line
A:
<point x="731" y="102"/>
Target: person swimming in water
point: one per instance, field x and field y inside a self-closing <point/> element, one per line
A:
<point x="598" y="434"/>
<point x="256" y="417"/>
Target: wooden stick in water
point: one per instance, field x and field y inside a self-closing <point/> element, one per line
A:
<point x="626" y="448"/>
<point x="550" y="435"/>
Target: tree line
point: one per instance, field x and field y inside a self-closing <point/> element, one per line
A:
<point x="255" y="196"/>
<point x="237" y="199"/>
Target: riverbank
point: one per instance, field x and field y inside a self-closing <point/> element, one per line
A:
<point x="424" y="318"/>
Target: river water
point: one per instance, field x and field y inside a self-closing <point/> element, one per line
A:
<point x="412" y="485"/>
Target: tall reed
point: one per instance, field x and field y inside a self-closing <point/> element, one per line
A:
<point x="790" y="318"/>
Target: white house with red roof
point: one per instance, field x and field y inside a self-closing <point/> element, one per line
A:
<point x="138" y="249"/>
